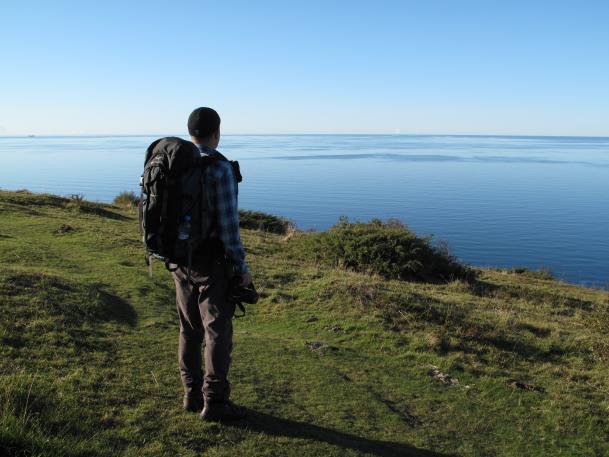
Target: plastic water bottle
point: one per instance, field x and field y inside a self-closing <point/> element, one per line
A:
<point x="184" y="228"/>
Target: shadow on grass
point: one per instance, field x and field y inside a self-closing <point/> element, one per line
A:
<point x="24" y="201"/>
<point x="65" y="312"/>
<point x="27" y="199"/>
<point x="117" y="309"/>
<point x="275" y="426"/>
<point x="98" y="210"/>
<point x="77" y="302"/>
<point x="472" y="334"/>
<point x="486" y="289"/>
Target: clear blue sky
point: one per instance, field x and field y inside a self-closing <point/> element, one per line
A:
<point x="428" y="66"/>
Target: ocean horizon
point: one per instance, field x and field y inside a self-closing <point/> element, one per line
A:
<point x="184" y="135"/>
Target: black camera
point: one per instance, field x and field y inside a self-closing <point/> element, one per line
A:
<point x="243" y="294"/>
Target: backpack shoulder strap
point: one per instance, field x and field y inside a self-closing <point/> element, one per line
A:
<point x="207" y="160"/>
<point x="233" y="163"/>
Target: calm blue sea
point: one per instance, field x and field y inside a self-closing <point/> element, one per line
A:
<point x="498" y="201"/>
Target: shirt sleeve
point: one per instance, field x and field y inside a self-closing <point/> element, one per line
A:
<point x="228" y="218"/>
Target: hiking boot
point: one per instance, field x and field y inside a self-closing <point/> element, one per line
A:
<point x="222" y="411"/>
<point x="192" y="404"/>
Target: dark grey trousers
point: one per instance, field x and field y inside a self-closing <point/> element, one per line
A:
<point x="205" y="316"/>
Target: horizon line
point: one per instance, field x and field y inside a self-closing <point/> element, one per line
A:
<point x="161" y="135"/>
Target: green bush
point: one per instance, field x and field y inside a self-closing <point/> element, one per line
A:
<point x="388" y="249"/>
<point x="126" y="198"/>
<point x="256" y="220"/>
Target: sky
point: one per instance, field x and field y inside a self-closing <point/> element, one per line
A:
<point x="415" y="67"/>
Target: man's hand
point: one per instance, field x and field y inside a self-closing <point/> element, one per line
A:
<point x="246" y="279"/>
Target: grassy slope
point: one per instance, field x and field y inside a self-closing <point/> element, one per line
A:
<point x="88" y="354"/>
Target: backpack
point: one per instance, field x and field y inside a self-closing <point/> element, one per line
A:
<point x="174" y="213"/>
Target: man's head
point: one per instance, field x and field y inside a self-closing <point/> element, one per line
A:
<point x="204" y="127"/>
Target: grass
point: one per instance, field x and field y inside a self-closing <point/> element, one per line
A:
<point x="126" y="198"/>
<point x="330" y="362"/>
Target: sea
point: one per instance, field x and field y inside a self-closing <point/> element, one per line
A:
<point x="498" y="201"/>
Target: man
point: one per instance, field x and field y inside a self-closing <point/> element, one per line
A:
<point x="203" y="307"/>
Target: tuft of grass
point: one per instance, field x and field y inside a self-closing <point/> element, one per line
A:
<point x="127" y="199"/>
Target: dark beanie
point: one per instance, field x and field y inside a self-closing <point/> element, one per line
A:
<point x="203" y="122"/>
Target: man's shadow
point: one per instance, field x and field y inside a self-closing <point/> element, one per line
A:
<point x="271" y="425"/>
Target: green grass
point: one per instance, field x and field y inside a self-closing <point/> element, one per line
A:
<point x="330" y="362"/>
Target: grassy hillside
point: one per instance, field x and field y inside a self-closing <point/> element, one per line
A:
<point x="330" y="362"/>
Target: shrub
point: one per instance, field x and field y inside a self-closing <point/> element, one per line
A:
<point x="388" y="249"/>
<point x="127" y="198"/>
<point x="256" y="220"/>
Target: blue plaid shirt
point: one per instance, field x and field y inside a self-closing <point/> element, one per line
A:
<point x="222" y="193"/>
